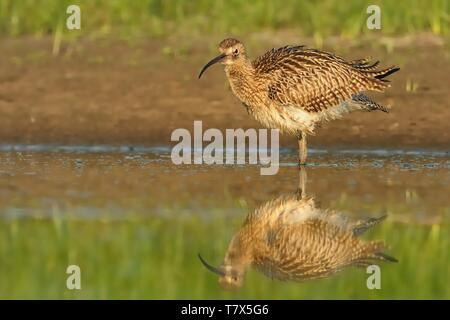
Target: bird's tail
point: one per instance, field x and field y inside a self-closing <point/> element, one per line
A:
<point x="376" y="79"/>
<point x="369" y="68"/>
<point x="370" y="253"/>
<point x="381" y="74"/>
<point x="364" y="64"/>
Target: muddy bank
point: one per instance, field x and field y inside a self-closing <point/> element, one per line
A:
<point x="115" y="92"/>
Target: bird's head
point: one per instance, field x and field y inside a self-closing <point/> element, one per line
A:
<point x="231" y="51"/>
<point x="231" y="277"/>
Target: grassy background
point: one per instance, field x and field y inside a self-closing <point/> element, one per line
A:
<point x="164" y="17"/>
<point x="156" y="258"/>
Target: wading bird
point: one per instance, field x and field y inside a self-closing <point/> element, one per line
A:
<point x="291" y="239"/>
<point x="295" y="89"/>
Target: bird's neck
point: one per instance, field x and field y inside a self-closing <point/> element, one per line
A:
<point x="241" y="76"/>
<point x="239" y="252"/>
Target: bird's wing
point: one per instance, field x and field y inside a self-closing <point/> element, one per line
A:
<point x="311" y="249"/>
<point x="315" y="80"/>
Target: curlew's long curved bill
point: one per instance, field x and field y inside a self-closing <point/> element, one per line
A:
<point x="210" y="267"/>
<point x="209" y="64"/>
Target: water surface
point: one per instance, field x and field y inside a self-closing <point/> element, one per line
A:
<point x="134" y="222"/>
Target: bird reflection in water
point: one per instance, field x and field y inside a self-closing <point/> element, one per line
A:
<point x="291" y="239"/>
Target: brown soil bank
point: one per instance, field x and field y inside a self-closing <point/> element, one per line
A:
<point x="115" y="92"/>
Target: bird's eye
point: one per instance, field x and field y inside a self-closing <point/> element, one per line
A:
<point x="235" y="51"/>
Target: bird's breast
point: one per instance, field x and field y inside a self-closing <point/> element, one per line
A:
<point x="245" y="87"/>
<point x="248" y="93"/>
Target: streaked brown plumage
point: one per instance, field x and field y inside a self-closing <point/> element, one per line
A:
<point x="295" y="88"/>
<point x="290" y="239"/>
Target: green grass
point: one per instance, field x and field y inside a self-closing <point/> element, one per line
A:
<point x="156" y="258"/>
<point x="161" y="17"/>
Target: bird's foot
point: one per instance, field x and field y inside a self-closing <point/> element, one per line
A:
<point x="302" y="157"/>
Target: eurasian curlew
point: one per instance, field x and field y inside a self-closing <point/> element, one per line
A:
<point x="295" y="88"/>
<point x="291" y="239"/>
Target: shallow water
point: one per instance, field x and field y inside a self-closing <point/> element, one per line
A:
<point x="134" y="222"/>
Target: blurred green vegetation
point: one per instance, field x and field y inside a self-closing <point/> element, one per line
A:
<point x="145" y="257"/>
<point x="164" y="17"/>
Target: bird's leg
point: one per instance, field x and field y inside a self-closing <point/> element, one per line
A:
<point x="302" y="148"/>
<point x="302" y="178"/>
